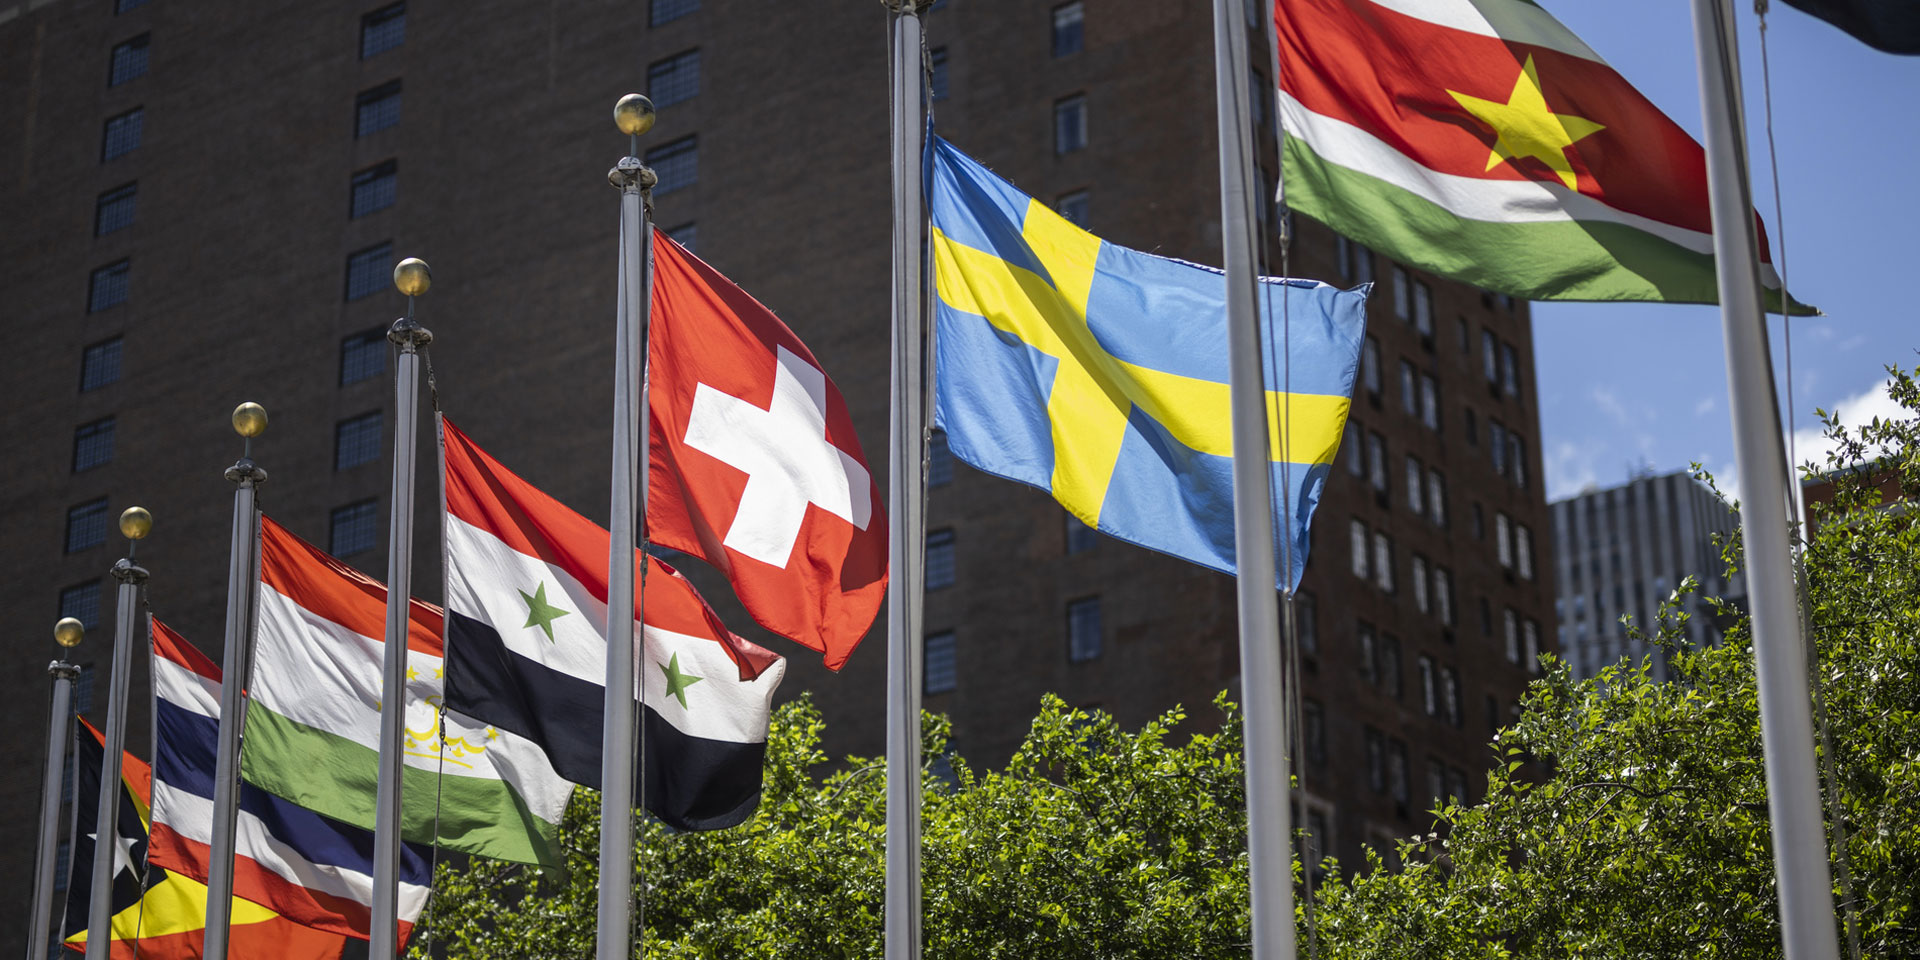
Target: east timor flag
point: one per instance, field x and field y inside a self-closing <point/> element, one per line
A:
<point x="1482" y="140"/>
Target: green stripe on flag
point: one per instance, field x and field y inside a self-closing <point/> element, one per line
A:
<point x="1541" y="260"/>
<point x="334" y="776"/>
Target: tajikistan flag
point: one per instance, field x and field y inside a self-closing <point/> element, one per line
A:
<point x="313" y="726"/>
<point x="527" y="649"/>
<point x="1482" y="140"/>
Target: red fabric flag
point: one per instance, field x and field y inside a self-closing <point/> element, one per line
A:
<point x="755" y="466"/>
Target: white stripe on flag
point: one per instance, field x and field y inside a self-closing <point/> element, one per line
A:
<point x="1513" y="20"/>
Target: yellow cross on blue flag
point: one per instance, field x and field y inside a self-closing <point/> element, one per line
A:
<point x="1099" y="373"/>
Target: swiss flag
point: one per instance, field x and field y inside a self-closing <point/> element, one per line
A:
<point x="754" y="465"/>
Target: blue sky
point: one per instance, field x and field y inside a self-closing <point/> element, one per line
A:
<point x="1630" y="385"/>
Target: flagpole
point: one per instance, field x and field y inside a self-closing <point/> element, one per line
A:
<point x="1800" y="865"/>
<point x="906" y="450"/>
<point x="633" y="114"/>
<point x="68" y="633"/>
<point x="135" y="524"/>
<point x="249" y="421"/>
<point x="413" y="278"/>
<point x="1264" y="713"/>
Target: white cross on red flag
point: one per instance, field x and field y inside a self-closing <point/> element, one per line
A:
<point x="755" y="468"/>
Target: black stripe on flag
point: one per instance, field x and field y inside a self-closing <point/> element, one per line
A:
<point x="690" y="783"/>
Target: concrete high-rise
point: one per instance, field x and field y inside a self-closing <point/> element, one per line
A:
<point x="1621" y="552"/>
<point x="203" y="202"/>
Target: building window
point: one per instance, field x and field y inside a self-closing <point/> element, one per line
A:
<point x="667" y="11"/>
<point x="377" y="109"/>
<point x="1370" y="367"/>
<point x="941" y="677"/>
<point x="369" y="270"/>
<point x="1070" y="124"/>
<point x="1437" y="498"/>
<point x="122" y="134"/>
<point x="940" y="566"/>
<point x="1402" y="294"/>
<point x="1313" y="730"/>
<point x="374" y="189"/>
<point x="937" y="73"/>
<point x="1397" y="776"/>
<point x="129" y="61"/>
<point x="122" y="6"/>
<point x="1523" y="551"/>
<point x="1356" y="262"/>
<point x="677" y="164"/>
<point x="1416" y="485"/>
<point x="82" y="602"/>
<point x="1417" y="575"/>
<point x="939" y="460"/>
<point x="1429" y="694"/>
<point x="354" y="528"/>
<point x="1358" y="545"/>
<point x="1369" y="654"/>
<point x="1390" y="665"/>
<point x="93" y="444"/>
<point x="1356" y="455"/>
<point x="1377" y="463"/>
<point x="1083" y="630"/>
<point x="1510" y="623"/>
<point x="1306" y="619"/>
<point x="1497" y="446"/>
<point x="363" y="355"/>
<point x="1409" y="398"/>
<point x="1490" y="355"/>
<point x="1503" y="539"/>
<point x="1450" y="696"/>
<point x="1479" y="523"/>
<point x="1382" y="561"/>
<point x="1069" y="28"/>
<point x="383" y="29"/>
<point x="1443" y="595"/>
<point x="1376" y="761"/>
<point x="1423" y="308"/>
<point x="1430" y="401"/>
<point x="1437" y="782"/>
<point x="1080" y="537"/>
<point x="357" y="441"/>
<point x="674" y="80"/>
<point x="687" y="235"/>
<point x="1510" y="369"/>
<point x="87" y="525"/>
<point x="100" y="365"/>
<point x="107" y="287"/>
<point x="1072" y="208"/>
<point x="114" y="210"/>
<point x="1531" y="645"/>
<point x="1517" y="459"/>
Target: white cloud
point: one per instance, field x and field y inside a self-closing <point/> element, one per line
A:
<point x="1704" y="407"/>
<point x="1570" y="469"/>
<point x="1810" y="443"/>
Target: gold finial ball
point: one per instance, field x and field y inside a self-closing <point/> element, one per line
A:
<point x="633" y="114"/>
<point x="68" y="632"/>
<point x="249" y="419"/>
<point x="136" y="523"/>
<point x="413" y="276"/>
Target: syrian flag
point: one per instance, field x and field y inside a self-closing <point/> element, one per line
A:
<point x="526" y="649"/>
<point x="754" y="465"/>
<point x="313" y="718"/>
<point x="311" y="870"/>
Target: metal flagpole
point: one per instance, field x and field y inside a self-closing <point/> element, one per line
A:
<point x="249" y="421"/>
<point x="905" y="488"/>
<point x="413" y="278"/>
<point x="1807" y="927"/>
<point x="135" y="524"/>
<point x="633" y="114"/>
<point x="68" y="633"/>
<point x="1264" y="712"/>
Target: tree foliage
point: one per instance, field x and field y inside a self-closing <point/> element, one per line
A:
<point x="1623" y="818"/>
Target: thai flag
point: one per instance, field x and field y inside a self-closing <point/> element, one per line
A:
<point x="311" y="870"/>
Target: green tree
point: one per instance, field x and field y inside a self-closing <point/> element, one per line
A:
<point x="1624" y="818"/>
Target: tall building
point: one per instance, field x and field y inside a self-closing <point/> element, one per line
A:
<point x="204" y="202"/>
<point x="1621" y="552"/>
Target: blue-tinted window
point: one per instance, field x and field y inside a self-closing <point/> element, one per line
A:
<point x="122" y="6"/>
<point x="113" y="210"/>
<point x="363" y="355"/>
<point x="674" y="79"/>
<point x="1072" y="207"/>
<point x="122" y="134"/>
<point x="687" y="235"/>
<point x="940" y="563"/>
<point x="667" y="11"/>
<point x="356" y="441"/>
<point x="1069" y="28"/>
<point x="354" y="528"/>
<point x="1070" y="124"/>
<point x="93" y="444"/>
<point x="374" y="189"/>
<point x="941" y="675"/>
<point x="383" y="29"/>
<point x="939" y="460"/>
<point x="377" y="109"/>
<point x="1080" y="537"/>
<point x="100" y="365"/>
<point x="129" y="61"/>
<point x="107" y="287"/>
<point x="1084" y="640"/>
<point x="82" y="602"/>
<point x="677" y="164"/>
<point x="368" y="270"/>
<point x="937" y="70"/>
<point x="87" y="525"/>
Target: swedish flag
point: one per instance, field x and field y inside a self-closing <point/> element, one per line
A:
<point x="1100" y="373"/>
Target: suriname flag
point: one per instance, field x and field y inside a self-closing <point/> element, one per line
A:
<point x="1482" y="140"/>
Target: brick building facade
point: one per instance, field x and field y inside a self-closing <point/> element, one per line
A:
<point x="203" y="201"/>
